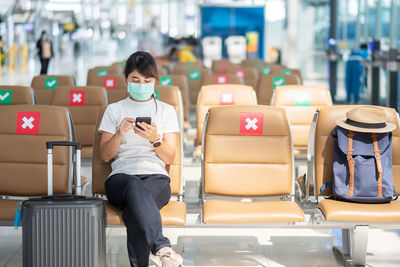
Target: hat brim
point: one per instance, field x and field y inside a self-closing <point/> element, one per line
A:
<point x="389" y="127"/>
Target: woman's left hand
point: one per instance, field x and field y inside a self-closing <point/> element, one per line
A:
<point x="149" y="132"/>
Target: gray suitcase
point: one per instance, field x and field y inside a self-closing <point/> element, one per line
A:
<point x="63" y="230"/>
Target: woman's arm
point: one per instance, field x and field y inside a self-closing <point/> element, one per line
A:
<point x="109" y="143"/>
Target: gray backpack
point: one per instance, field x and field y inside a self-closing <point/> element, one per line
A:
<point x="362" y="167"/>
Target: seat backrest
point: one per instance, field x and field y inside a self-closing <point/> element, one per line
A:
<point x="222" y="79"/>
<point x="16" y="95"/>
<point x="222" y="66"/>
<point x="221" y="94"/>
<point x="195" y="76"/>
<point x="118" y="67"/>
<point x="171" y="95"/>
<point x="181" y="82"/>
<point x="287" y="71"/>
<point x="301" y="102"/>
<point x="43" y="86"/>
<point x="268" y="83"/>
<point x="24" y="131"/>
<point x="324" y="144"/>
<point x="84" y="103"/>
<point x="247" y="74"/>
<point x="101" y="169"/>
<point x="247" y="152"/>
<point x="102" y="71"/>
<point x="182" y="66"/>
<point x="252" y="62"/>
<point x="115" y="84"/>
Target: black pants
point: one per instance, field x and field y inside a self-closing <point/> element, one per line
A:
<point x="45" y="65"/>
<point x="141" y="197"/>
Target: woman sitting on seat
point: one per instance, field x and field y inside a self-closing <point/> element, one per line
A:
<point x="139" y="181"/>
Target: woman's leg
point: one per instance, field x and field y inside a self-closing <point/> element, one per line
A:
<point x="141" y="216"/>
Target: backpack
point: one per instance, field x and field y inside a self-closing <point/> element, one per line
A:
<point x="362" y="168"/>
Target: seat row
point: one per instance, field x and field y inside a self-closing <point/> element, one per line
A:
<point x="247" y="171"/>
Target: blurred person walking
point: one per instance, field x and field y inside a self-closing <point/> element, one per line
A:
<point x="45" y="51"/>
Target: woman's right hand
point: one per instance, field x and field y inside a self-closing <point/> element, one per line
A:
<point x="126" y="125"/>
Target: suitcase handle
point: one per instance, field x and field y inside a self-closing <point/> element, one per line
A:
<point x="63" y="196"/>
<point x="78" y="148"/>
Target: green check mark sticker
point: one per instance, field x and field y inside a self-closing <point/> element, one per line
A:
<point x="122" y="63"/>
<point x="194" y="75"/>
<point x="286" y="72"/>
<point x="157" y="93"/>
<point x="5" y="97"/>
<point x="257" y="64"/>
<point x="102" y="72"/>
<point x="188" y="65"/>
<point x="166" y="80"/>
<point x="265" y="70"/>
<point x="51" y="83"/>
<point x="302" y="98"/>
<point x="278" y="81"/>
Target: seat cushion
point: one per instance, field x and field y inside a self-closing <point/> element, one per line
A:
<point x="8" y="207"/>
<point x="222" y="211"/>
<point x="174" y="213"/>
<point x="354" y="212"/>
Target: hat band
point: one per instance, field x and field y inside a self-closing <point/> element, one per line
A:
<point x="366" y="125"/>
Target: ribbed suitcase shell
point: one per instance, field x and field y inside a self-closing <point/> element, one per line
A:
<point x="64" y="233"/>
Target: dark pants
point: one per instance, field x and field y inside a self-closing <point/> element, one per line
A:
<point x="141" y="197"/>
<point x="45" y="65"/>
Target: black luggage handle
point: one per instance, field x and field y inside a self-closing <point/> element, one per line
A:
<point x="63" y="196"/>
<point x="51" y="144"/>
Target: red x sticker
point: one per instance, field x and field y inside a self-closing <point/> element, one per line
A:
<point x="109" y="82"/>
<point x="221" y="79"/>
<point x="240" y="73"/>
<point x="251" y="123"/>
<point x="77" y="98"/>
<point x="226" y="98"/>
<point x="27" y="123"/>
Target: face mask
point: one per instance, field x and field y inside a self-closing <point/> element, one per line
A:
<point x="141" y="91"/>
<point x="44" y="36"/>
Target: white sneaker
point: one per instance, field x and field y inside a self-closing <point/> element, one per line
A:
<point x="169" y="258"/>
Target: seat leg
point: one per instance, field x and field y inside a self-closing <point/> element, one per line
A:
<point x="354" y="246"/>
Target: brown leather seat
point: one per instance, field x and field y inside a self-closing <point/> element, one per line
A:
<point x="102" y="71"/>
<point x="24" y="131"/>
<point x="268" y="83"/>
<point x="181" y="82"/>
<point x="287" y="71"/>
<point x="252" y="62"/>
<point x="43" y="86"/>
<point x="174" y="213"/>
<point x="195" y="76"/>
<point x="324" y="143"/>
<point x="181" y="66"/>
<point x="172" y="96"/>
<point x="115" y="84"/>
<point x="16" y="95"/>
<point x="118" y="67"/>
<point x="223" y="66"/>
<point x="213" y="95"/>
<point x="222" y="79"/>
<point x="248" y="154"/>
<point x="85" y="104"/>
<point x="248" y="75"/>
<point x="301" y="102"/>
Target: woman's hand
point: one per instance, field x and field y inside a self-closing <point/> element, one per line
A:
<point x="125" y="125"/>
<point x="149" y="131"/>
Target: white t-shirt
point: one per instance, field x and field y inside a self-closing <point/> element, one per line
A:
<point x="136" y="154"/>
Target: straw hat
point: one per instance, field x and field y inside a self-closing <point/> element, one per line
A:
<point x="366" y="119"/>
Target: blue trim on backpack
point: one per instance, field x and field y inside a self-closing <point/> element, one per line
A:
<point x="325" y="186"/>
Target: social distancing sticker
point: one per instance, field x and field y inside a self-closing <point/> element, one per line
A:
<point x="266" y="70"/>
<point x="102" y="72"/>
<point x="5" y="97"/>
<point x="278" y="81"/>
<point x="76" y="98"/>
<point x="28" y="123"/>
<point x="251" y="123"/>
<point x="188" y="65"/>
<point x="227" y="98"/>
<point x="157" y="93"/>
<point x="286" y="72"/>
<point x="109" y="82"/>
<point x="240" y="73"/>
<point x="221" y="79"/>
<point x="166" y="80"/>
<point x="302" y="98"/>
<point x="194" y="75"/>
<point x="50" y="83"/>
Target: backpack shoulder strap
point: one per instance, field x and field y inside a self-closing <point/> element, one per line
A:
<point x="378" y="162"/>
<point x="350" y="161"/>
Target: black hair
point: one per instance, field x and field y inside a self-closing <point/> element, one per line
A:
<point x="144" y="63"/>
<point x="364" y="46"/>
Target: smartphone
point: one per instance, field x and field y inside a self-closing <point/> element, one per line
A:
<point x="143" y="119"/>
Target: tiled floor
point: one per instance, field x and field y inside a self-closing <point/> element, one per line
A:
<point x="209" y="246"/>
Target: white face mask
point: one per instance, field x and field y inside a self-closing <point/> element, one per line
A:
<point x="140" y="91"/>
